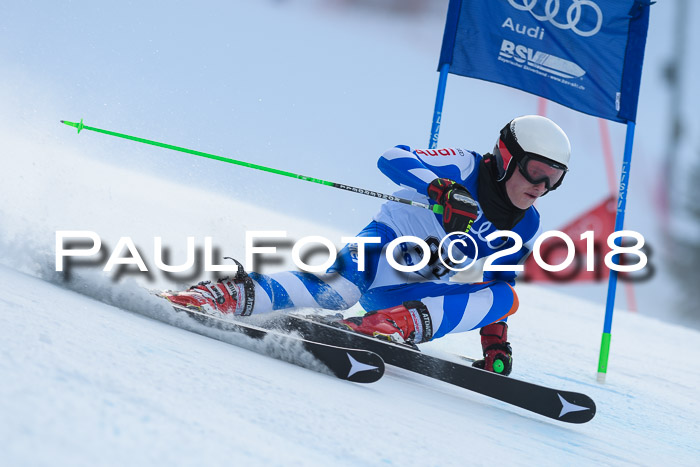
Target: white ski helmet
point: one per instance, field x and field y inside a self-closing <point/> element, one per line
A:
<point x="532" y="138"/>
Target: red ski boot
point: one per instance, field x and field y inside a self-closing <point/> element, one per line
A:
<point x="497" y="352"/>
<point x="407" y="323"/>
<point x="225" y="297"/>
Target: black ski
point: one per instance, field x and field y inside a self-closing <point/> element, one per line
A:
<point x="356" y="365"/>
<point x="565" y="406"/>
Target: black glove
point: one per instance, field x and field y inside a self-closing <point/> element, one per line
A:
<point x="460" y="209"/>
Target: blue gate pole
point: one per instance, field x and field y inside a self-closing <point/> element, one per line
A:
<point x="439" y="99"/>
<point x="612" y="280"/>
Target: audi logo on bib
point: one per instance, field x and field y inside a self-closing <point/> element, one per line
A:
<point x="574" y="14"/>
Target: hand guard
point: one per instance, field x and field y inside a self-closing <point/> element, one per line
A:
<point x="497" y="352"/>
<point x="460" y="209"/>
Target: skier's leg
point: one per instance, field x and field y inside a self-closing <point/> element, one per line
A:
<point x="424" y="311"/>
<point x="338" y="289"/>
<point x="450" y="307"/>
<point x="292" y="289"/>
<point x="263" y="293"/>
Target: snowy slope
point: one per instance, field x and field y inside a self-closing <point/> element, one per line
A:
<point x="90" y="384"/>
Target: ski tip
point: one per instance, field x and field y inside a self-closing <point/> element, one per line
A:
<point x="576" y="408"/>
<point x="365" y="366"/>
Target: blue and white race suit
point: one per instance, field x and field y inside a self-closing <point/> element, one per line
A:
<point x="454" y="307"/>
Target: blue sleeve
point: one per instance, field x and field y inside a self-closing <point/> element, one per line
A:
<point x="416" y="169"/>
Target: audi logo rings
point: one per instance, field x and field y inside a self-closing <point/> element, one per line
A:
<point x="573" y="14"/>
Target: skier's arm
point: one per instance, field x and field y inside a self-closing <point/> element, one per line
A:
<point x="416" y="169"/>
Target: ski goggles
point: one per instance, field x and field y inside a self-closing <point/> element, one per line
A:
<point x="537" y="169"/>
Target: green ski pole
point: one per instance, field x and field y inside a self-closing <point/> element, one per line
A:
<point x="80" y="126"/>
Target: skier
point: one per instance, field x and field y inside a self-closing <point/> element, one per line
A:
<point x="479" y="194"/>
